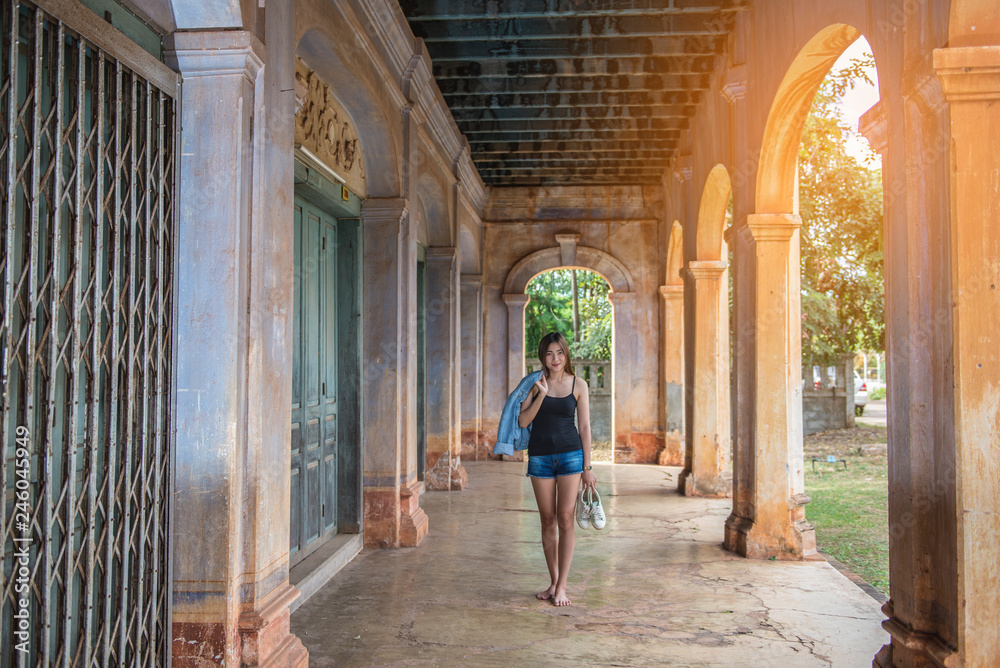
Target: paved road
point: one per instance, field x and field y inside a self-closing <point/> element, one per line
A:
<point x="875" y="413"/>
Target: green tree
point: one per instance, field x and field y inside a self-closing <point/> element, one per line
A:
<point x="551" y="309"/>
<point x="840" y="201"/>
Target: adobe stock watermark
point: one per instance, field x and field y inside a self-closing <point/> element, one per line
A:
<point x="21" y="571"/>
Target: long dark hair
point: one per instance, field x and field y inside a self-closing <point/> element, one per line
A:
<point x="543" y="347"/>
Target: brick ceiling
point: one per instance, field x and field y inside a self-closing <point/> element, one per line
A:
<point x="556" y="92"/>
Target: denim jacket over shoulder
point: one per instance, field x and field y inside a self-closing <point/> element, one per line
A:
<point x="510" y="435"/>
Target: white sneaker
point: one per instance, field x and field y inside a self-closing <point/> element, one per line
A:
<point x="596" y="511"/>
<point x="582" y="512"/>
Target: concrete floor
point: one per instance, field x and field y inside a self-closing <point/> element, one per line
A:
<point x="654" y="588"/>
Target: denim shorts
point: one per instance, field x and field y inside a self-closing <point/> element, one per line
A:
<point x="553" y="466"/>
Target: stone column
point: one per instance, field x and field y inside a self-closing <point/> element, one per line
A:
<point x="629" y="444"/>
<point x="970" y="77"/>
<point x="231" y="594"/>
<point x="774" y="522"/>
<point x="708" y="450"/>
<point x="673" y="371"/>
<point x="515" y="338"/>
<point x="392" y="513"/>
<point x="473" y="441"/>
<point x="443" y="468"/>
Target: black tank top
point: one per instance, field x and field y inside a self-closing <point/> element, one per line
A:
<point x="553" y="430"/>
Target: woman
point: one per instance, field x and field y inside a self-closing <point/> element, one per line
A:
<point x="558" y="456"/>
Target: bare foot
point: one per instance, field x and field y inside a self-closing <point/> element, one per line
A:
<point x="560" y="599"/>
<point x="547" y="594"/>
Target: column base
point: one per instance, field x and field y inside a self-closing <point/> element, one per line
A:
<point x="910" y="647"/>
<point x="638" y="448"/>
<point x="194" y="641"/>
<point x="706" y="486"/>
<point x="413" y="522"/>
<point x="266" y="639"/>
<point x="470" y="444"/>
<point x="382" y="515"/>
<point x="883" y="659"/>
<point x="445" y="472"/>
<point x="474" y="446"/>
<point x="672" y="453"/>
<point x="459" y="478"/>
<point x="796" y="541"/>
<point x="735" y="539"/>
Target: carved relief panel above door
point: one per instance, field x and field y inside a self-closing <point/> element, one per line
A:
<point x="323" y="127"/>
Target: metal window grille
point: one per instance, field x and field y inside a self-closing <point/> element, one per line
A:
<point x="86" y="173"/>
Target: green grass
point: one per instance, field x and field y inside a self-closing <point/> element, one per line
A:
<point x="850" y="509"/>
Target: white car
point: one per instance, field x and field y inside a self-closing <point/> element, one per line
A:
<point x="860" y="395"/>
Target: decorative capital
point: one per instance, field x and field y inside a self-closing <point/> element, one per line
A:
<point x="617" y="298"/>
<point x="926" y="91"/>
<point x="706" y="269"/>
<point x="873" y="128"/>
<point x="969" y="73"/>
<point x="728" y="234"/>
<point x="215" y="53"/>
<point x="442" y="254"/>
<point x="773" y="226"/>
<point x="516" y="300"/>
<point x="472" y="279"/>
<point x="669" y="292"/>
<point x="384" y="209"/>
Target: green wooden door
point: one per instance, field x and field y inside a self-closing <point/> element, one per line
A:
<point x="314" y="381"/>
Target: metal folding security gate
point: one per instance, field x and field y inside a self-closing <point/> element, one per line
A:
<point x="86" y="172"/>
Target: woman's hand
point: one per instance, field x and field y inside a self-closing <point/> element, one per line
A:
<point x="542" y="386"/>
<point x="589" y="479"/>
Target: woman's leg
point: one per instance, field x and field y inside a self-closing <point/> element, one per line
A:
<point x="568" y="487"/>
<point x="545" y="497"/>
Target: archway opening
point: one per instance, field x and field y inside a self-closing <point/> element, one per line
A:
<point x="574" y="302"/>
<point x="708" y="458"/>
<point x="839" y="197"/>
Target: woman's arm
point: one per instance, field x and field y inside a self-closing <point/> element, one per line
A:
<point x="583" y="423"/>
<point x="530" y="406"/>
